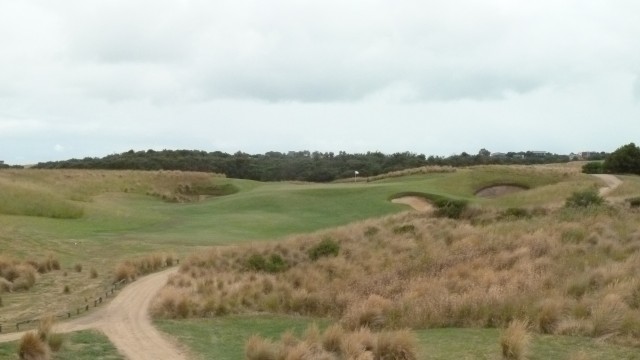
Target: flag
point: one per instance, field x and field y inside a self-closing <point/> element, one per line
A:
<point x="357" y="173"/>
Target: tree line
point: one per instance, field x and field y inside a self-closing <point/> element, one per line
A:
<point x="294" y="165"/>
<point x="625" y="160"/>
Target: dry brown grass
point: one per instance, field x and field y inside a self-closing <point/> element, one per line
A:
<point x="39" y="344"/>
<point x="132" y="268"/>
<point x="335" y="344"/>
<point x="32" y="347"/>
<point x="571" y="271"/>
<point x="21" y="275"/>
<point x="515" y="341"/>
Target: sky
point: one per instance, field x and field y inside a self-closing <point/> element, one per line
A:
<point x="85" y="78"/>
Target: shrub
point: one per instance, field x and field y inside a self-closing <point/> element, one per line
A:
<point x="515" y="341"/>
<point x="450" y="208"/>
<point x="66" y="289"/>
<point x="78" y="267"/>
<point x="1" y="305"/>
<point x="93" y="273"/>
<point x="326" y="247"/>
<point x="371" y="231"/>
<point x="593" y="167"/>
<point x="404" y="229"/>
<point x="634" y="202"/>
<point x="33" y="348"/>
<point x="517" y="213"/>
<point x="276" y="263"/>
<point x="586" y="198"/>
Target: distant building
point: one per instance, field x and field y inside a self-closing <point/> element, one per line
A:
<point x="498" y="155"/>
<point x="1" y="162"/>
<point x="539" y="153"/>
<point x="586" y="155"/>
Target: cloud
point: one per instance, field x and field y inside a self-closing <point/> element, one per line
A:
<point x="109" y="75"/>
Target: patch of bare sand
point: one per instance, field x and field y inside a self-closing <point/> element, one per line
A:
<point x="416" y="202"/>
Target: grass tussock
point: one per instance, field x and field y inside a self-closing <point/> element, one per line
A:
<point x="515" y="341"/>
<point x="571" y="271"/>
<point x="21" y="275"/>
<point x="130" y="269"/>
<point x="41" y="343"/>
<point x="335" y="344"/>
<point x="32" y="347"/>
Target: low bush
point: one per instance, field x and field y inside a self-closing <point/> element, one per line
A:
<point x="450" y="208"/>
<point x="593" y="167"/>
<point x="274" y="264"/>
<point x="515" y="213"/>
<point x="634" y="202"/>
<point x="404" y="229"/>
<point x="586" y="198"/>
<point x="78" y="267"/>
<point x="326" y="247"/>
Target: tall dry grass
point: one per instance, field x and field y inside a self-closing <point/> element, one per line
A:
<point x="132" y="268"/>
<point x="21" y="275"/>
<point x="335" y="343"/>
<point x="515" y="341"/>
<point x="569" y="271"/>
<point x="41" y="343"/>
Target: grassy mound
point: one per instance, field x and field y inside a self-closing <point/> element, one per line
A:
<point x="572" y="272"/>
<point x="59" y="193"/>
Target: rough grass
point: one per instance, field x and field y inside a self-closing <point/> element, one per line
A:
<point x="515" y="341"/>
<point x="82" y="345"/>
<point x="445" y="273"/>
<point x="59" y="193"/>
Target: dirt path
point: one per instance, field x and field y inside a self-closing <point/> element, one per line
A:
<point x="612" y="183"/>
<point x="126" y="321"/>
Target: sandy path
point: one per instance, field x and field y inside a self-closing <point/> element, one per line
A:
<point x="612" y="183"/>
<point x="126" y="321"/>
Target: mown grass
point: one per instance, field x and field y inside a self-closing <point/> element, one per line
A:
<point x="223" y="338"/>
<point x="82" y="345"/>
<point x="481" y="344"/>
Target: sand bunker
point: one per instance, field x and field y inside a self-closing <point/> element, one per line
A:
<point x="499" y="190"/>
<point x="416" y="202"/>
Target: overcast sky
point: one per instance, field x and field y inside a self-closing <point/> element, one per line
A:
<point x="91" y="78"/>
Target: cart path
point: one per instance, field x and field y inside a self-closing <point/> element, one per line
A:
<point x="126" y="322"/>
<point x="612" y="183"/>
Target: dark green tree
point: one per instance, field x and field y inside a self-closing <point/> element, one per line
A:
<point x="625" y="160"/>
